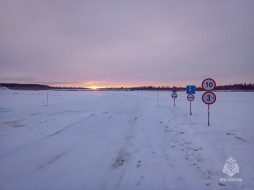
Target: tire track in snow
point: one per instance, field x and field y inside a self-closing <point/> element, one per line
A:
<point x="124" y="156"/>
<point x="51" y="160"/>
<point x="47" y="137"/>
<point x="147" y="141"/>
<point x="67" y="127"/>
<point x="48" y="160"/>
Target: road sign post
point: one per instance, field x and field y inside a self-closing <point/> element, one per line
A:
<point x="191" y="98"/>
<point x="208" y="114"/>
<point x="209" y="97"/>
<point x="174" y="96"/>
<point x="190" y="90"/>
<point x="190" y="108"/>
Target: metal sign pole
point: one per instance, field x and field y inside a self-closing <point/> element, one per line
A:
<point x="208" y="115"/>
<point x="47" y="98"/>
<point x="190" y="108"/>
<point x="174" y="102"/>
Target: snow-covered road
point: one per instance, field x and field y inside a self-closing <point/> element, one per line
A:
<point x="123" y="140"/>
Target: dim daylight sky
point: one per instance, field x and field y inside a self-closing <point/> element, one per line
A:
<point x="126" y="42"/>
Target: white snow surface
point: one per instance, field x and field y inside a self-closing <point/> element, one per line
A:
<point x="123" y="140"/>
<point x="3" y="88"/>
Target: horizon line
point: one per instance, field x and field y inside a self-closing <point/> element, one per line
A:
<point x="117" y="86"/>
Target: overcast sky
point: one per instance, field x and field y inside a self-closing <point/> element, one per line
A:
<point x="126" y="42"/>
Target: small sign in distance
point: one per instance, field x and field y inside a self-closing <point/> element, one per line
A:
<point x="174" y="89"/>
<point x="174" y="95"/>
<point x="190" y="97"/>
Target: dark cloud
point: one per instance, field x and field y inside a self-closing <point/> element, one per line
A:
<point x="126" y="42"/>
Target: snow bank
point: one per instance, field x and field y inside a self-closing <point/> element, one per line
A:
<point x="3" y="88"/>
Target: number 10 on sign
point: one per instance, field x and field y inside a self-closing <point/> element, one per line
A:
<point x="208" y="84"/>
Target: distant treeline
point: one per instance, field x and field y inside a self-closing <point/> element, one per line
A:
<point x="16" y="86"/>
<point x="239" y="87"/>
<point x="236" y="87"/>
<point x="245" y="87"/>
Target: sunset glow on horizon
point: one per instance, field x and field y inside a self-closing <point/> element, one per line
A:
<point x="96" y="87"/>
<point x="118" y="84"/>
<point x="124" y="85"/>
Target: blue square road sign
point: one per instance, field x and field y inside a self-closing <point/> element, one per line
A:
<point x="190" y="89"/>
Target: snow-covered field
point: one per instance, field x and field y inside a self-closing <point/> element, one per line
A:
<point x="123" y="140"/>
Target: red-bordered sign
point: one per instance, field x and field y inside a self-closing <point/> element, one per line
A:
<point x="209" y="98"/>
<point x="190" y="97"/>
<point x="174" y="95"/>
<point x="209" y="84"/>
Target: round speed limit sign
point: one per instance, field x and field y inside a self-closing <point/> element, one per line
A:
<point x="209" y="98"/>
<point x="190" y="97"/>
<point x="174" y="95"/>
<point x="209" y="84"/>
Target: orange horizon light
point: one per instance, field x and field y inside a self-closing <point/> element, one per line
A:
<point x="95" y="87"/>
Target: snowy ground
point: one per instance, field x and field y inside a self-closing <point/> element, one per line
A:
<point x="123" y="140"/>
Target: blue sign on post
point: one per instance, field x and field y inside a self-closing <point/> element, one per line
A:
<point x="174" y="89"/>
<point x="190" y="89"/>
